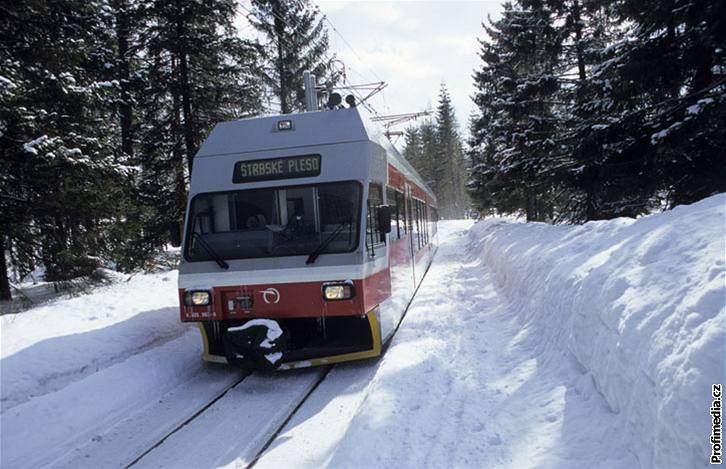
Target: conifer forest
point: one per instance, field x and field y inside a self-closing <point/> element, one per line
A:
<point x="584" y="110"/>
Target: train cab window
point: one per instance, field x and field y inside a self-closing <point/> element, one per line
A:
<point x="271" y="222"/>
<point x="373" y="235"/>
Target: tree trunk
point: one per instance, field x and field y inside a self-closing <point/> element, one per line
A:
<point x="578" y="40"/>
<point x="124" y="76"/>
<point x="4" y="280"/>
<point x="178" y="157"/>
<point x="529" y="196"/>
<point x="590" y="210"/>
<point x="280" y="37"/>
<point x="184" y="88"/>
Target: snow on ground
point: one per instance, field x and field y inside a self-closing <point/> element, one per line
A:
<point x="639" y="304"/>
<point x="48" y="347"/>
<point x="92" y="381"/>
<point x="530" y="345"/>
<point x="527" y="345"/>
<point x="461" y="385"/>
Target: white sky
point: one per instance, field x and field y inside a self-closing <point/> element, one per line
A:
<point x="411" y="45"/>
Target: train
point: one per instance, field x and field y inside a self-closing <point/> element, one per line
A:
<point x="305" y="238"/>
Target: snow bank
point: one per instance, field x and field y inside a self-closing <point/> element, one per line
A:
<point x="46" y="348"/>
<point x="639" y="304"/>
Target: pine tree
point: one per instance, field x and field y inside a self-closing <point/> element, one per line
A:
<point x="481" y="161"/>
<point x="449" y="160"/>
<point x="517" y="89"/>
<point x="435" y="150"/>
<point x="103" y="105"/>
<point x="668" y="109"/>
<point x="596" y="186"/>
<point x="198" y="72"/>
<point x="296" y="41"/>
<point x="644" y="134"/>
<point x="427" y="163"/>
<point x="412" y="149"/>
<point x="631" y="105"/>
<point x="61" y="177"/>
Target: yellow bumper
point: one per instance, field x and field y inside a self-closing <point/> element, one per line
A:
<point x="375" y="351"/>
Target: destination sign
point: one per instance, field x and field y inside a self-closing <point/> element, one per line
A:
<point x="277" y="168"/>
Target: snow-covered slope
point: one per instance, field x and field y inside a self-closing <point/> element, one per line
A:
<point x="48" y="347"/>
<point x="639" y="304"/>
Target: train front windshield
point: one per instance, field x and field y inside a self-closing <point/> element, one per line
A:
<point x="274" y="222"/>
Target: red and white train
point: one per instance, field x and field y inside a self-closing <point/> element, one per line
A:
<point x="305" y="238"/>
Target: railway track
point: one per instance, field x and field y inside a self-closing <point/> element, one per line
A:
<point x="272" y="437"/>
<point x="186" y="421"/>
<point x="236" y="425"/>
<point x="217" y="419"/>
<point x="267" y="430"/>
<point x="273" y="429"/>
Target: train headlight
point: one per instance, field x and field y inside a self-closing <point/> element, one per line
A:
<point x="338" y="292"/>
<point x="284" y="125"/>
<point x="197" y="298"/>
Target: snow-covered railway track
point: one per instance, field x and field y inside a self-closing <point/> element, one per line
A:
<point x="193" y="416"/>
<point x="220" y="416"/>
<point x="130" y="437"/>
<point x="238" y="426"/>
<point x="282" y="425"/>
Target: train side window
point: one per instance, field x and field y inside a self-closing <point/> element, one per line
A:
<point x="410" y="214"/>
<point x="404" y="213"/>
<point x="397" y="213"/>
<point x="421" y="221"/>
<point x="422" y="211"/>
<point x="419" y="233"/>
<point x="424" y="227"/>
<point x="416" y="228"/>
<point x="392" y="201"/>
<point x="375" y="198"/>
<point x="428" y="226"/>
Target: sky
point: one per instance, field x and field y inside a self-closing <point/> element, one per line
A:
<point x="413" y="46"/>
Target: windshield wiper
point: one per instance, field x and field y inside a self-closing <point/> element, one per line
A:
<point x="319" y="250"/>
<point x="210" y="251"/>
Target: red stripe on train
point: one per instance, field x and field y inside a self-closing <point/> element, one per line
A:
<point x="288" y="300"/>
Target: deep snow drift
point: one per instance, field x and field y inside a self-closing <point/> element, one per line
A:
<point x="638" y="303"/>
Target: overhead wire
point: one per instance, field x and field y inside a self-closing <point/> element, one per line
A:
<point x="355" y="52"/>
<point x="284" y="42"/>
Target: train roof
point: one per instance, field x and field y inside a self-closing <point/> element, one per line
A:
<point x="310" y="128"/>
